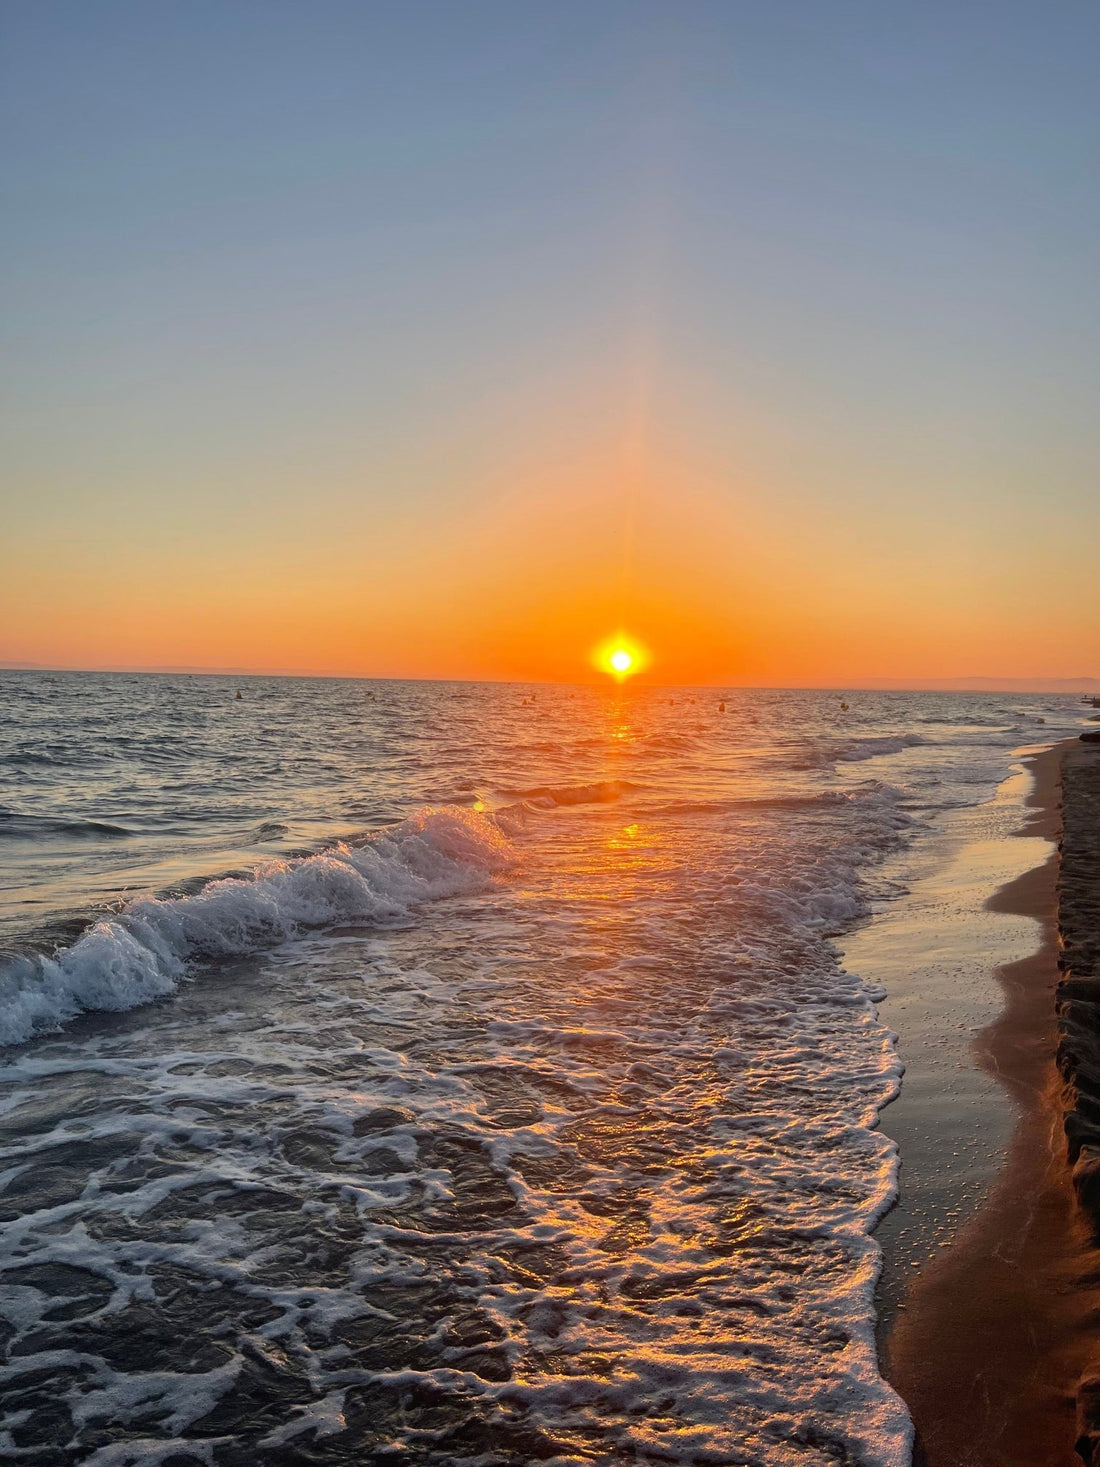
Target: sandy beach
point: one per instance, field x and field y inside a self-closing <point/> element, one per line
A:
<point x="988" y="1342"/>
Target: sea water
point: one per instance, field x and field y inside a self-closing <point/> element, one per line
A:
<point x="442" y="1073"/>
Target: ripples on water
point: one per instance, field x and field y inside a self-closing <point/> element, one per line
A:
<point x="503" y="1102"/>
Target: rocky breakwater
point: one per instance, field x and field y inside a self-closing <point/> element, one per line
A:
<point x="1079" y="1015"/>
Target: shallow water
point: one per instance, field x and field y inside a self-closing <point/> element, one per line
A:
<point x="516" y="1108"/>
<point x="936" y="952"/>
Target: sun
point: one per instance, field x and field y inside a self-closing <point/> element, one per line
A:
<point x="621" y="656"/>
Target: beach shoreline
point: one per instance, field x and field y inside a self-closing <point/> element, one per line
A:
<point x="997" y="1328"/>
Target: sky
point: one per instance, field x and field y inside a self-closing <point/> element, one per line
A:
<point x="437" y="339"/>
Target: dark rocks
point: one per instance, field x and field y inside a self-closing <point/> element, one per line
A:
<point x="1078" y="1005"/>
<point x="1091" y="736"/>
<point x="1079" y="882"/>
<point x="1086" y="1178"/>
<point x="1080" y="1132"/>
<point x="1087" y="1444"/>
<point x="1085" y="990"/>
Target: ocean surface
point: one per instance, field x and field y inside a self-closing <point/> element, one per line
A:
<point x="437" y="1073"/>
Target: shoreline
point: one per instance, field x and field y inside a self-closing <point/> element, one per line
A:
<point x="996" y="1329"/>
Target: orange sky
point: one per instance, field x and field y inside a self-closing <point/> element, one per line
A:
<point x="723" y="580"/>
<point x="446" y="351"/>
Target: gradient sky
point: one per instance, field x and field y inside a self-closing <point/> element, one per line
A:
<point x="423" y="339"/>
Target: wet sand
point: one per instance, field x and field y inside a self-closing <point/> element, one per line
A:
<point x="988" y="1341"/>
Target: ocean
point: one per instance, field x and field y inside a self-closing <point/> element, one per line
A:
<point x="442" y="1073"/>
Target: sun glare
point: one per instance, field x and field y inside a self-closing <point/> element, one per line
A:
<point x="621" y="657"/>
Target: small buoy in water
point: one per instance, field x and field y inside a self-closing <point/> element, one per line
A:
<point x="721" y="708"/>
<point x="238" y="692"/>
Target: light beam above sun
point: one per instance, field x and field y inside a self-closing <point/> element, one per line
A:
<point x="621" y="656"/>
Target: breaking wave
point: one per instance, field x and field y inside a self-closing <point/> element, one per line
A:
<point x="147" y="949"/>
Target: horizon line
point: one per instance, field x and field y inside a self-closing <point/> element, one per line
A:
<point x="971" y="683"/>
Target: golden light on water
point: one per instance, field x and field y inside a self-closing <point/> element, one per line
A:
<point x="622" y="657"/>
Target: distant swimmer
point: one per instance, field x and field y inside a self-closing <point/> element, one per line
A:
<point x="721" y="708"/>
<point x="843" y="707"/>
<point x="238" y="692"/>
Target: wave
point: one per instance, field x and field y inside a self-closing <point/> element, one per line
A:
<point x="820" y="754"/>
<point x="271" y="830"/>
<point x="600" y="792"/>
<point x="38" y="827"/>
<point x="671" y="743"/>
<point x="822" y="799"/>
<point x="968" y="720"/>
<point x="18" y="759"/>
<point x="153" y="944"/>
<point x="873" y="746"/>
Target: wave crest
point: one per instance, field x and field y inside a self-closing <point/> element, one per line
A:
<point x="145" y="951"/>
<point x="598" y="792"/>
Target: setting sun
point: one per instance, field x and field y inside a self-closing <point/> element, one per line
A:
<point x="620" y="657"/>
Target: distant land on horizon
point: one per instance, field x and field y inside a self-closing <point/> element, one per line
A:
<point x="973" y="684"/>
